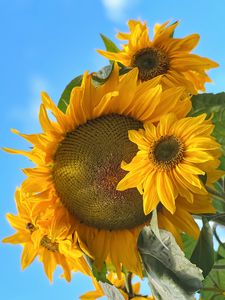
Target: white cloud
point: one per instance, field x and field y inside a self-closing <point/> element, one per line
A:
<point x="116" y="9"/>
<point x="26" y="112"/>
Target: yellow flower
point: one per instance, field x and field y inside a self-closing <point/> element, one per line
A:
<point x="171" y="159"/>
<point x="78" y="159"/>
<point x="181" y="220"/>
<point x="48" y="236"/>
<point x="120" y="285"/>
<point x="163" y="55"/>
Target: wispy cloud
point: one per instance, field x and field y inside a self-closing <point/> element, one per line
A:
<point x="26" y="113"/>
<point x="116" y="9"/>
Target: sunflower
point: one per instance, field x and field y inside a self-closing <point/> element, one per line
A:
<point x="182" y="220"/>
<point x="120" y="285"/>
<point x="172" y="158"/>
<point x="48" y="236"/>
<point x="78" y="157"/>
<point x="163" y="55"/>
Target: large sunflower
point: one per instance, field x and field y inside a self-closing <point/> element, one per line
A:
<point x="174" y="158"/>
<point x="48" y="235"/>
<point x="163" y="55"/>
<point x="78" y="159"/>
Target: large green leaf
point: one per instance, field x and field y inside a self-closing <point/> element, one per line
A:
<point x="65" y="97"/>
<point x="212" y="104"/>
<point x="170" y="274"/>
<point x="203" y="254"/>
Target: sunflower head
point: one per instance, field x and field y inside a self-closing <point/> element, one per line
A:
<point x="163" y="55"/>
<point x="77" y="167"/>
<point x="167" y="152"/>
<point x="87" y="169"/>
<point x="47" y="235"/>
<point x="174" y="154"/>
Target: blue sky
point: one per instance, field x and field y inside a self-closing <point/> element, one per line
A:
<point x="44" y="44"/>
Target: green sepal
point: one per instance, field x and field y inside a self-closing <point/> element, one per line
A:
<point x="109" y="45"/>
<point x="101" y="274"/>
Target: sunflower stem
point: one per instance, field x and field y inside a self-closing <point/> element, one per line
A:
<point x="129" y="285"/>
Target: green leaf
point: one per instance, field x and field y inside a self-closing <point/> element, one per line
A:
<point x="219" y="205"/>
<point x="212" y="104"/>
<point x="221" y="250"/>
<point x="170" y="274"/>
<point x="203" y="254"/>
<point x="214" y="284"/>
<point x="65" y="97"/>
<point x="109" y="45"/>
<point x="208" y="103"/>
<point x="111" y="291"/>
<point x="189" y="244"/>
<point x="100" y="275"/>
<point x="102" y="75"/>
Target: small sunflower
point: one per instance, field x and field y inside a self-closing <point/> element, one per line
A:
<point x="120" y="285"/>
<point x="48" y="236"/>
<point x="163" y="55"/>
<point x="182" y="220"/>
<point x="171" y="159"/>
<point x="78" y="159"/>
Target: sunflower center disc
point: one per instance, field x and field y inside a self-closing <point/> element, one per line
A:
<point x="151" y="62"/>
<point x="167" y="151"/>
<point x="87" y="170"/>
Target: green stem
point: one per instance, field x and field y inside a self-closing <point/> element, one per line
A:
<point x="129" y="285"/>
<point x="219" y="267"/>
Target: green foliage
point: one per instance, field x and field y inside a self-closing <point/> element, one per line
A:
<point x="218" y="197"/>
<point x="212" y="104"/>
<point x="109" y="45"/>
<point x="214" y="284"/>
<point x="65" y="97"/>
<point x="189" y="244"/>
<point x="203" y="254"/>
<point x="221" y="251"/>
<point x="170" y="274"/>
<point x="100" y="275"/>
